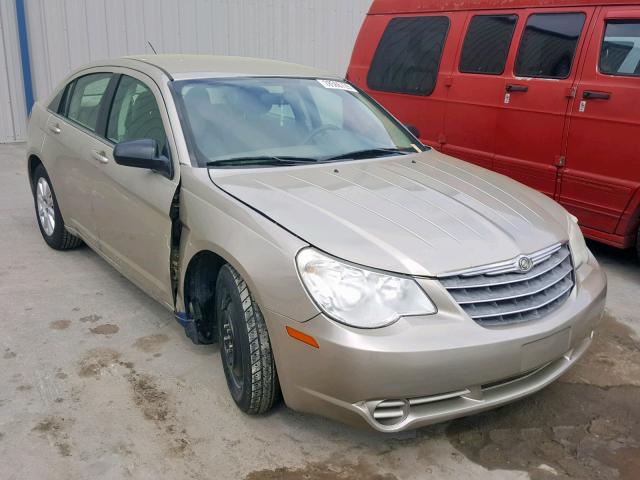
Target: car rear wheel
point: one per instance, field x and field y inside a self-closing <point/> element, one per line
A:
<point x="245" y="347"/>
<point x="638" y="244"/>
<point x="50" y="220"/>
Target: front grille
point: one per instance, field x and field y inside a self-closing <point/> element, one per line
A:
<point x="500" y="294"/>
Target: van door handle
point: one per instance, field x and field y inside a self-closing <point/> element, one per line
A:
<point x="588" y="95"/>
<point x="55" y="128"/>
<point x="99" y="156"/>
<point x="517" y="88"/>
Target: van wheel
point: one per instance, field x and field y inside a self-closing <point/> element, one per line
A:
<point x="245" y="347"/>
<point x="49" y="217"/>
<point x="638" y="244"/>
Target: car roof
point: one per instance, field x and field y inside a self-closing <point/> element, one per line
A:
<point x="418" y="6"/>
<point x="198" y="66"/>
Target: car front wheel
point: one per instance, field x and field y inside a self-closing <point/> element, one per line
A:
<point x="245" y="347"/>
<point x="49" y="217"/>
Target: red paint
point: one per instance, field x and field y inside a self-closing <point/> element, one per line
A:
<point x="588" y="161"/>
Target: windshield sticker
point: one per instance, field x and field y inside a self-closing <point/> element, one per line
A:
<point x="336" y="85"/>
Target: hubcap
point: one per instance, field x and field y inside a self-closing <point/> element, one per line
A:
<point x="231" y="346"/>
<point x="44" y="201"/>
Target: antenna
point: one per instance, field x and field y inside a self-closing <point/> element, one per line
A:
<point x="154" y="50"/>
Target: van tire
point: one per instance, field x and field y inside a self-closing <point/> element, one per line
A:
<point x="638" y="244"/>
<point x="245" y="347"/>
<point x="58" y="238"/>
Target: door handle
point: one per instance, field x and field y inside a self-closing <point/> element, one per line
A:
<point x="55" y="128"/>
<point x="517" y="88"/>
<point x="99" y="156"/>
<point x="589" y="95"/>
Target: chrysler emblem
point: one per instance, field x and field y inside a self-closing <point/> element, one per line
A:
<point x="525" y="264"/>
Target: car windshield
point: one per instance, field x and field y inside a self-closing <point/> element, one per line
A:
<point x="248" y="122"/>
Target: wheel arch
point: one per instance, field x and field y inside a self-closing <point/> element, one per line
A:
<point x="32" y="162"/>
<point x="198" y="294"/>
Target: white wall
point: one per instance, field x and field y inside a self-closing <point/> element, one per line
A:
<point x="13" y="112"/>
<point x="65" y="34"/>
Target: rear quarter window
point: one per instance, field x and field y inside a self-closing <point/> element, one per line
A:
<point x="408" y="57"/>
<point x="55" y="104"/>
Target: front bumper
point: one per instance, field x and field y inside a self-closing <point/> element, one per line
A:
<point x="431" y="368"/>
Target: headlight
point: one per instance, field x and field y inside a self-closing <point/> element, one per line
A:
<point x="577" y="244"/>
<point x="359" y="297"/>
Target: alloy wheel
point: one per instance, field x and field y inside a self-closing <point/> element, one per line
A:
<point x="44" y="201"/>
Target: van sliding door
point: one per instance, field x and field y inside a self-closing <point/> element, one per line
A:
<point x="536" y="95"/>
<point x="475" y="87"/>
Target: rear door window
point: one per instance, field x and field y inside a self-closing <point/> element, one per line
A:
<point x="549" y="44"/>
<point x="487" y="44"/>
<point x="408" y="57"/>
<point x="87" y="93"/>
<point x="620" y="53"/>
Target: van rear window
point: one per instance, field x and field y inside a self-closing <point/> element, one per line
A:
<point x="549" y="44"/>
<point x="408" y="57"/>
<point x="487" y="44"/>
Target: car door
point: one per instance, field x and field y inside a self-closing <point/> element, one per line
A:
<point x="475" y="88"/>
<point x="70" y="141"/>
<point x="536" y="96"/>
<point x="602" y="172"/>
<point x="133" y="205"/>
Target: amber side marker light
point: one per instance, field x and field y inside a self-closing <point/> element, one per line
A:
<point x="303" y="337"/>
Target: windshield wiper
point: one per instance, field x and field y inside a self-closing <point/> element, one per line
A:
<point x="370" y="153"/>
<point x="267" y="160"/>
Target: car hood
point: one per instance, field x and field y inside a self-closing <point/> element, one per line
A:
<point x="425" y="214"/>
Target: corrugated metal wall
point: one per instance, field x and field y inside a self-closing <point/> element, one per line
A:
<point x="12" y="104"/>
<point x="65" y="34"/>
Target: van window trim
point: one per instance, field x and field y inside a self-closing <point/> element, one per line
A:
<point x="575" y="53"/>
<point x="606" y="21"/>
<point x="444" y="46"/>
<point x="506" y="60"/>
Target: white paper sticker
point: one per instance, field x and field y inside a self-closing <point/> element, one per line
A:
<point x="336" y="85"/>
<point x="583" y="106"/>
<point x="507" y="98"/>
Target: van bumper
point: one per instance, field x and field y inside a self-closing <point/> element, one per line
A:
<point x="429" y="369"/>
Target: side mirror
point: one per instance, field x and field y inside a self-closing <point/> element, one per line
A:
<point x="142" y="154"/>
<point x="414" y="130"/>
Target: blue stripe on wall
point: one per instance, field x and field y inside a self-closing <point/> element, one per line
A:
<point x="24" y="54"/>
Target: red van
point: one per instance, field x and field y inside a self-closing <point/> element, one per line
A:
<point x="546" y="92"/>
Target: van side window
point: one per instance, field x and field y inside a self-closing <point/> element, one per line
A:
<point x="487" y="44"/>
<point x="549" y="44"/>
<point x="408" y="57"/>
<point x="620" y="53"/>
<point x="86" y="95"/>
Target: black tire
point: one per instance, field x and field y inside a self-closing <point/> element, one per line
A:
<point x="59" y="238"/>
<point x="245" y="348"/>
<point x="638" y="244"/>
